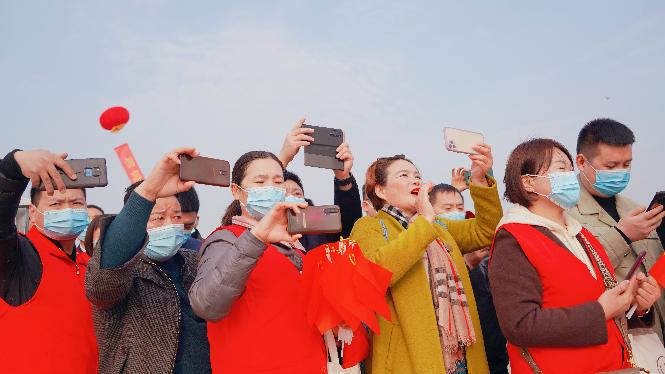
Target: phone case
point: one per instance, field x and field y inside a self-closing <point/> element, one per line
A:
<point x="90" y="172"/>
<point x="659" y="198"/>
<point x="323" y="151"/>
<point x="205" y="170"/>
<point x="461" y="141"/>
<point x="325" y="219"/>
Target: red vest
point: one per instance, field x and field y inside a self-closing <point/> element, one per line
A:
<point x="566" y="282"/>
<point x="266" y="330"/>
<point x="53" y="331"/>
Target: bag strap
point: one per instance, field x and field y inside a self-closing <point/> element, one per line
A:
<point x="529" y="360"/>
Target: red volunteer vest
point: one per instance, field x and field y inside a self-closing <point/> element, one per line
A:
<point x="53" y="331"/>
<point x="266" y="330"/>
<point x="566" y="282"/>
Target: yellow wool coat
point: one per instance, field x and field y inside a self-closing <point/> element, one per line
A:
<point x="410" y="343"/>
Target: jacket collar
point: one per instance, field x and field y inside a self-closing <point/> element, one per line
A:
<point x="589" y="206"/>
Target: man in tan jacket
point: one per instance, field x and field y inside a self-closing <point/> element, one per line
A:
<point x="624" y="228"/>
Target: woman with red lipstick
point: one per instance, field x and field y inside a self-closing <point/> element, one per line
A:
<point x="435" y="326"/>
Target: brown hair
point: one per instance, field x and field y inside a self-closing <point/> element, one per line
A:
<point x="530" y="157"/>
<point x="90" y="232"/>
<point x="377" y="176"/>
<point x="238" y="174"/>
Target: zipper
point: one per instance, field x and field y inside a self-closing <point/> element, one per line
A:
<point x="177" y="342"/>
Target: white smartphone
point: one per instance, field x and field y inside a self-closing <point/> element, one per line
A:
<point x="461" y="141"/>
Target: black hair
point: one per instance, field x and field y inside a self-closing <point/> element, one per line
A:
<point x="189" y="201"/>
<point x="93" y="206"/>
<point x="442" y="188"/>
<point x="603" y="131"/>
<point x="36" y="194"/>
<point x="130" y="189"/>
<point x="290" y="176"/>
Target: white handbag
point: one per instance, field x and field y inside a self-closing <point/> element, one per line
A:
<point x="334" y="366"/>
<point x="648" y="350"/>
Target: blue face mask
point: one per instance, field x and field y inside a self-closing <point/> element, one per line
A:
<point x="164" y="241"/>
<point x="294" y="199"/>
<point x="610" y="182"/>
<point x="453" y="216"/>
<point x="261" y="199"/>
<point x="565" y="188"/>
<point x="64" y="224"/>
<point x="188" y="235"/>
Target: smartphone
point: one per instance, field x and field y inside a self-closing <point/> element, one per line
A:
<point x="90" y="172"/>
<point x="325" y="219"/>
<point x="322" y="152"/>
<point x="636" y="265"/>
<point x="461" y="141"/>
<point x="205" y="170"/>
<point x="658" y="199"/>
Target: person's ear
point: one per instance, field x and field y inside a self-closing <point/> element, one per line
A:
<point x="380" y="192"/>
<point x="581" y="161"/>
<point x="237" y="192"/>
<point x="527" y="184"/>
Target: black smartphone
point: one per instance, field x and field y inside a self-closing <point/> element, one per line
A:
<point x="636" y="265"/>
<point x="322" y="152"/>
<point x="658" y="199"/>
<point x="325" y="219"/>
<point x="205" y="170"/>
<point x="90" y="172"/>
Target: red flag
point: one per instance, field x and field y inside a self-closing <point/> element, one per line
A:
<point x="658" y="271"/>
<point x="129" y="163"/>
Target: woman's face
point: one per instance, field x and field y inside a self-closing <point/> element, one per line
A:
<point x="262" y="172"/>
<point x="402" y="185"/>
<point x="560" y="163"/>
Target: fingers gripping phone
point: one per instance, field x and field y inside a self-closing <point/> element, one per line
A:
<point x="322" y="152"/>
<point x="658" y="199"/>
<point x="462" y="141"/>
<point x="325" y="219"/>
<point x="205" y="170"/>
<point x="90" y="172"/>
<point x="636" y="265"/>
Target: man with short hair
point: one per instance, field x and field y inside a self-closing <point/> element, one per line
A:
<point x="189" y="205"/>
<point x="624" y="228"/>
<point x="45" y="318"/>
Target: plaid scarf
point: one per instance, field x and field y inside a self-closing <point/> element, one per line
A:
<point x="451" y="307"/>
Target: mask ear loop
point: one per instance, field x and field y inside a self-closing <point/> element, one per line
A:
<point x="541" y="176"/>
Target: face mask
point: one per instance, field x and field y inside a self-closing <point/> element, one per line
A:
<point x="81" y="237"/>
<point x="164" y="241"/>
<point x="565" y="188"/>
<point x="261" y="199"/>
<point x="64" y="224"/>
<point x="453" y="216"/>
<point x="188" y="235"/>
<point x="610" y="182"/>
<point x="294" y="199"/>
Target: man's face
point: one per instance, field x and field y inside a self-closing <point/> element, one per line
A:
<point x="448" y="202"/>
<point x="165" y="212"/>
<point x="74" y="199"/>
<point x="607" y="157"/>
<point x="190" y="220"/>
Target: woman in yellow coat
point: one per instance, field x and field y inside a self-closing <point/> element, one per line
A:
<point x="439" y="334"/>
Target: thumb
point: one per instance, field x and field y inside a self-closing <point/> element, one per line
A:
<point x="621" y="287"/>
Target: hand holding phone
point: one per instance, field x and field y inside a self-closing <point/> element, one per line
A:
<point x="658" y="199"/>
<point x="90" y="172"/>
<point x="636" y="265"/>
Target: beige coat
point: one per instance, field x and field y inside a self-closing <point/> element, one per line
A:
<point x="595" y="219"/>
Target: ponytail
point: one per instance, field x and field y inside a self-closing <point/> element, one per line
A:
<point x="232" y="210"/>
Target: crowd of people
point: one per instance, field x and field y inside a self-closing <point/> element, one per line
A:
<point x="539" y="288"/>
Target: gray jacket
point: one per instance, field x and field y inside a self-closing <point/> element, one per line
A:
<point x="225" y="265"/>
<point x="122" y="294"/>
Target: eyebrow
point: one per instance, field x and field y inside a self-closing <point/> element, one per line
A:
<point x="158" y="211"/>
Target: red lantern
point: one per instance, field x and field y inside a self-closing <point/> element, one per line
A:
<point x="114" y="119"/>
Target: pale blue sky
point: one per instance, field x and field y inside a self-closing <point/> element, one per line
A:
<point x="229" y="77"/>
